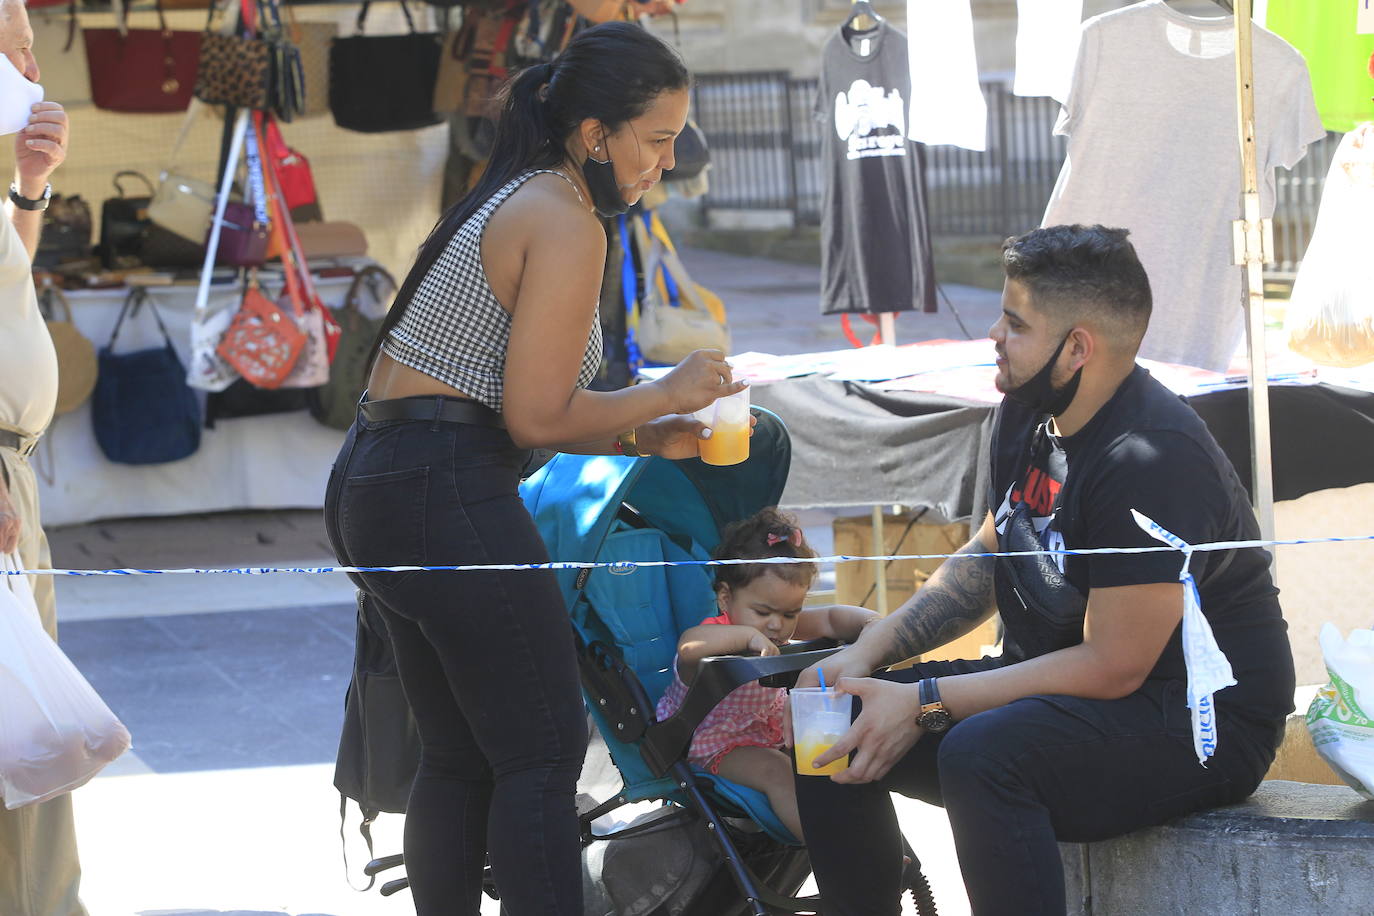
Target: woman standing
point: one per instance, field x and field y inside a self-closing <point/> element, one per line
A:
<point x="484" y="355"/>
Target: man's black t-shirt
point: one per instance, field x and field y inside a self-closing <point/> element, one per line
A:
<point x="1145" y="450"/>
<point x="875" y="240"/>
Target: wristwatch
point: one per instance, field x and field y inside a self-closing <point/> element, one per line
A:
<point x="25" y="203"/>
<point x="933" y="716"/>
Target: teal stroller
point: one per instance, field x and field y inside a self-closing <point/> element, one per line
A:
<point x="627" y="620"/>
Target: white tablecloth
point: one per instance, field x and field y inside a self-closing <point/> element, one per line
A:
<point x="277" y="461"/>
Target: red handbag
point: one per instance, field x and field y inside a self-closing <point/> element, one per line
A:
<point x="293" y="173"/>
<point x="142" y="70"/>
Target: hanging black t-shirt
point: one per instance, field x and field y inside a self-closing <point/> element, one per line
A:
<point x="1145" y="450"/>
<point x="875" y="239"/>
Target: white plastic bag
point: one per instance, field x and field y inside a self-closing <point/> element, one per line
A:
<point x="1341" y="717"/>
<point x="55" y="731"/>
<point x="1330" y="317"/>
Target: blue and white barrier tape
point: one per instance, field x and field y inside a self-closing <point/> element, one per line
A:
<point x="625" y="567"/>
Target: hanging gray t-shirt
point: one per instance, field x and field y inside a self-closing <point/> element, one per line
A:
<point x="875" y="239"/>
<point x="1152" y="128"/>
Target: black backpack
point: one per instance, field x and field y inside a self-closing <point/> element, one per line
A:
<point x="379" y="747"/>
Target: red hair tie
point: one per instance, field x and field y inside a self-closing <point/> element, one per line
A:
<point x="793" y="538"/>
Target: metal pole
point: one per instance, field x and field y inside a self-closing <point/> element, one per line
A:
<point x="1254" y="245"/>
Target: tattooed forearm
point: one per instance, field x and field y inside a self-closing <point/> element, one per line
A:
<point x="955" y="600"/>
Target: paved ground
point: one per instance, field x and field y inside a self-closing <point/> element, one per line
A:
<point x="233" y="686"/>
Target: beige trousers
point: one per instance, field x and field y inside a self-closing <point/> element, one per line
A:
<point x="39" y="871"/>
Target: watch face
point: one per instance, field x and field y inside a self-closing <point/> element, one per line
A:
<point x="935" y="720"/>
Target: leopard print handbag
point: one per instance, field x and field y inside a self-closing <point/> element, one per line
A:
<point x="235" y="71"/>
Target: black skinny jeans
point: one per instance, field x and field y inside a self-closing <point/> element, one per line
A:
<point x="486" y="660"/>
<point x="1017" y="779"/>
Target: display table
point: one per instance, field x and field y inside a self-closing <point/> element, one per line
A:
<point x="921" y="440"/>
<point x="278" y="461"/>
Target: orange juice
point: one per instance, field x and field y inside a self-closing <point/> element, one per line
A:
<point x="811" y="748"/>
<point x="729" y="444"/>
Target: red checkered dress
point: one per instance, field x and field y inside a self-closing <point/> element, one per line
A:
<point x="750" y="716"/>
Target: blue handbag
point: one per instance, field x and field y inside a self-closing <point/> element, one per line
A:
<point x="142" y="409"/>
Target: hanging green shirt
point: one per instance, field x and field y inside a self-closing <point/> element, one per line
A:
<point x="1337" y="58"/>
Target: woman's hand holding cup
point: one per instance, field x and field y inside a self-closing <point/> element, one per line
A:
<point x="698" y="380"/>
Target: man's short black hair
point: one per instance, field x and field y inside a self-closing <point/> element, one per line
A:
<point x="1076" y="273"/>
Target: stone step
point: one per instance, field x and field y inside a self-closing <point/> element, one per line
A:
<point x="1291" y="848"/>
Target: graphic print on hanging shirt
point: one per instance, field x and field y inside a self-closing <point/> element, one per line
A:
<point x="871" y="120"/>
<point x="1039" y="486"/>
<point x="876" y="253"/>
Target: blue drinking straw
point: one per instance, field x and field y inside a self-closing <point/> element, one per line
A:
<point x="825" y="691"/>
<point x="820" y="672"/>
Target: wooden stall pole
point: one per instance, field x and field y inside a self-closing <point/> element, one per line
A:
<point x="1254" y="244"/>
<point x="879" y="566"/>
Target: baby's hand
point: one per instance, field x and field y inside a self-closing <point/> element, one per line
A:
<point x="761" y="645"/>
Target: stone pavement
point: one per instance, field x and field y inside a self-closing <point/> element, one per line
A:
<point x="233" y="685"/>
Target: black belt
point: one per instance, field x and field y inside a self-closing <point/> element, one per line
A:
<point x="432" y="407"/>
<point x="21" y="443"/>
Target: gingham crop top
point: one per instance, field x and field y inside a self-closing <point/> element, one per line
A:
<point x="455" y="330"/>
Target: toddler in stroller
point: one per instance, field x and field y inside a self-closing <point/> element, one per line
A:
<point x="760" y="610"/>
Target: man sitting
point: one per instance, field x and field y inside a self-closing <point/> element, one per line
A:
<point x="1080" y="730"/>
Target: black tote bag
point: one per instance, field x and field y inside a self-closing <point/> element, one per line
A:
<point x="380" y="83"/>
<point x="142" y="409"/>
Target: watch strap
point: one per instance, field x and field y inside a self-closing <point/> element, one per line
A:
<point x="28" y="203"/>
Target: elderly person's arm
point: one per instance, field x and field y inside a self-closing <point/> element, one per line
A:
<point x="38" y="150"/>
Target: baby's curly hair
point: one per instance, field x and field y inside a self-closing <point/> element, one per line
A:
<point x="767" y="533"/>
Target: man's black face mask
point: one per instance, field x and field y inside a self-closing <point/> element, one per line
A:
<point x="1039" y="393"/>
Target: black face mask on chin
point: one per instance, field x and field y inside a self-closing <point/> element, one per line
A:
<point x="605" y="190"/>
<point x="1039" y="393"/>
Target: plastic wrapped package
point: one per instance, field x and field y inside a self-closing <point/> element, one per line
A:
<point x="1330" y="318"/>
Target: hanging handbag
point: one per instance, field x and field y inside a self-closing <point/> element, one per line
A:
<point x="142" y="410"/>
<point x="209" y="370"/>
<point x="235" y="70"/>
<point x="360" y="318"/>
<point x="183" y="204"/>
<point x="141" y="70"/>
<point x="300" y="285"/>
<point x="674" y="317"/>
<point x="293" y="171"/>
<point x="474" y="132"/>
<point x="312" y="39"/>
<point x="66" y="232"/>
<point x="384" y="82"/>
<point x="76" y="362"/>
<point x="246" y="231"/>
<point x="288" y="79"/>
<point x="124" y="222"/>
<point x="262" y="341"/>
<point x="450" y="81"/>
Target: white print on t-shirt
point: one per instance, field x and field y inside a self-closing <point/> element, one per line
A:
<point x="872" y="120"/>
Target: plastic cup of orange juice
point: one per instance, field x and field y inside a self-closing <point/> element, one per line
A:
<point x="728" y="419"/>
<point x="819" y="718"/>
